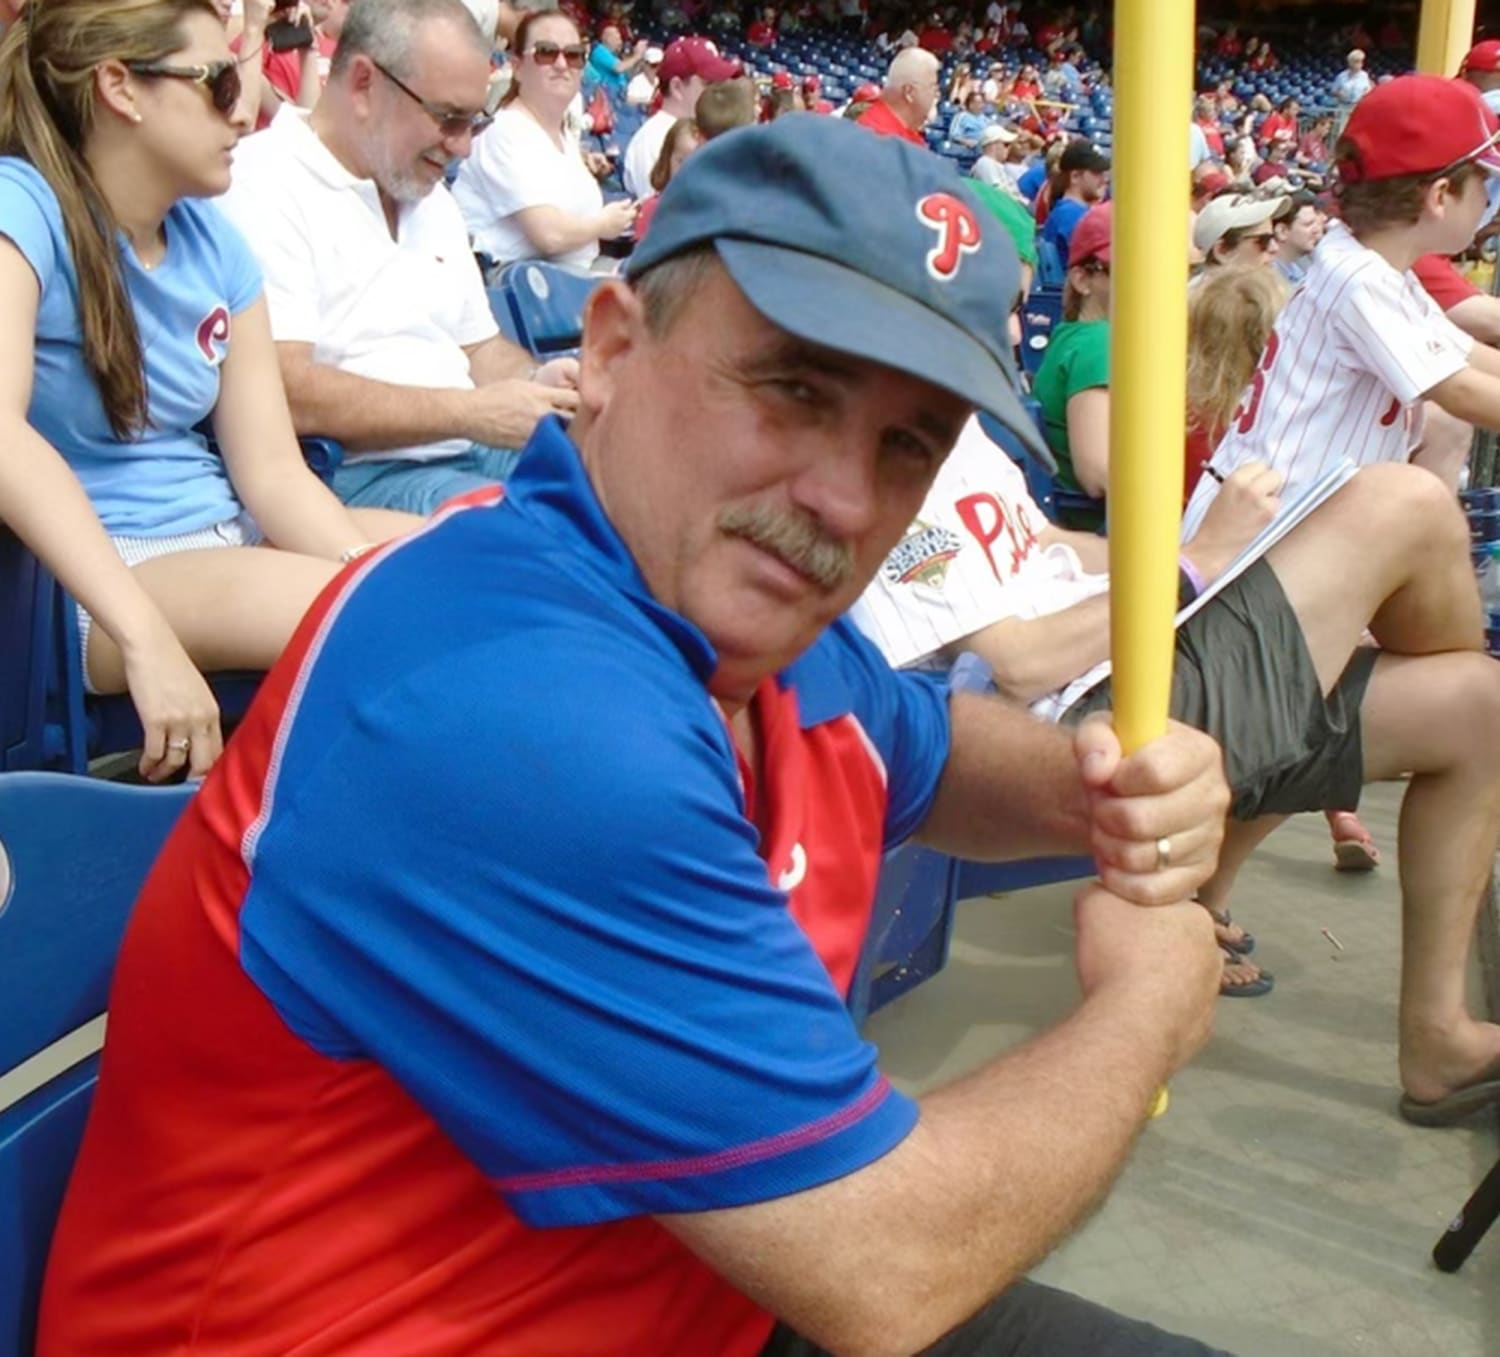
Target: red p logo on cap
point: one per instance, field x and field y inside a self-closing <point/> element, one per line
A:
<point x="957" y="233"/>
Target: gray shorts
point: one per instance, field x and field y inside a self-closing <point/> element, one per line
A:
<point x="1243" y="675"/>
<point x="239" y="531"/>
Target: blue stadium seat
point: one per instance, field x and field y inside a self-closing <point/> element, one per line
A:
<point x="1041" y="313"/>
<point x="1041" y="473"/>
<point x="1051" y="267"/>
<point x="910" y="928"/>
<point x="26" y="621"/>
<point x="504" y="313"/>
<point x="547" y="301"/>
<point x="73" y="855"/>
<point x="47" y="720"/>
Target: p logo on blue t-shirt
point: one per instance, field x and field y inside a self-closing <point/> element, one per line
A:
<point x="213" y="335"/>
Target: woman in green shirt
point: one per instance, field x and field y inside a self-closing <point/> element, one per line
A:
<point x="1073" y="381"/>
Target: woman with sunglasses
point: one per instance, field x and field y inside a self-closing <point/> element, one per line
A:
<point x="525" y="190"/>
<point x="129" y="313"/>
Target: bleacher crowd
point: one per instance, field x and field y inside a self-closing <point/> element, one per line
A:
<point x="490" y="996"/>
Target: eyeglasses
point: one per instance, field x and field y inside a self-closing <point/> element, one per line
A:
<point x="547" y="53"/>
<point x="220" y="78"/>
<point x="449" y="123"/>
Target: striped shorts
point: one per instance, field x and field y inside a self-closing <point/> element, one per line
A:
<point x="239" y="531"/>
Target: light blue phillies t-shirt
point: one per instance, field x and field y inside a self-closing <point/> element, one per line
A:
<point x="167" y="480"/>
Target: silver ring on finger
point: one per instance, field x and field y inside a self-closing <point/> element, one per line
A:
<point x="181" y="746"/>
<point x="1163" y="854"/>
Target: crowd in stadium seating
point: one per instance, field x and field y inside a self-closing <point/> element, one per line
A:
<point x="604" y="695"/>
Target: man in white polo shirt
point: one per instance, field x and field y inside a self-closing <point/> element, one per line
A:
<point x="382" y="326"/>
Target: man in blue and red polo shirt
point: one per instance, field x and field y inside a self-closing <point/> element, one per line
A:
<point x="489" y="998"/>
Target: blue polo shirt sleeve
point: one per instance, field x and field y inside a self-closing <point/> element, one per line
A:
<point x="552" y="927"/>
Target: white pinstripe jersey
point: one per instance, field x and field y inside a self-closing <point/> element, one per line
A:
<point x="971" y="558"/>
<point x="1351" y="355"/>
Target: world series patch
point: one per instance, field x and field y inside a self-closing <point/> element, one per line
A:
<point x="922" y="556"/>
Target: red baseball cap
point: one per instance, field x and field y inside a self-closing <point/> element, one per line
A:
<point x="781" y="80"/>
<point x="865" y="94"/>
<point x="687" y="57"/>
<point x="1419" y="124"/>
<point x="1483" y="56"/>
<point x="1090" y="238"/>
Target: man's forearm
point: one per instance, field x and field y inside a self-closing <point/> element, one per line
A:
<point x="1031" y="657"/>
<point x="498" y="360"/>
<point x="1000" y="1167"/>
<point x="367" y="415"/>
<point x="1011" y="786"/>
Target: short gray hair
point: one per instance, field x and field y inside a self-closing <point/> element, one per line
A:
<point x="665" y="289"/>
<point x="384" y="31"/>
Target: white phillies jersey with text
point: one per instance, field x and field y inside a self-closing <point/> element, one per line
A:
<point x="1352" y="353"/>
<point x="971" y="558"/>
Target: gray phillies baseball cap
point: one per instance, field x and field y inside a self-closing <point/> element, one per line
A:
<point x="861" y="243"/>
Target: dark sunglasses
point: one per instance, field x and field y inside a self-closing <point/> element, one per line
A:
<point x="220" y="78"/>
<point x="449" y="123"/>
<point x="1262" y="242"/>
<point x="547" y="53"/>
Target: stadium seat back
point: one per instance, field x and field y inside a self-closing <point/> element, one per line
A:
<point x="1041" y="313"/>
<point x="26" y="610"/>
<point x="73" y="855"/>
<point x="548" y="301"/>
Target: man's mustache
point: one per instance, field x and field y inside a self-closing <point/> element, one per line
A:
<point x="796" y="538"/>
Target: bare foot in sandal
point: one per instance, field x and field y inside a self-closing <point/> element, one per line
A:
<point x="1243" y="979"/>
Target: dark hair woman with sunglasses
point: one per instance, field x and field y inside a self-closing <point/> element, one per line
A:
<point x="525" y="191"/>
<point x="130" y="312"/>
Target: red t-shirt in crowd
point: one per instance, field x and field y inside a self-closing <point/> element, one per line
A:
<point x="879" y="118"/>
<point x="1443" y="282"/>
<point x="760" y="34"/>
<point x="284" y="69"/>
<point x="1274" y="123"/>
<point x="935" y="40"/>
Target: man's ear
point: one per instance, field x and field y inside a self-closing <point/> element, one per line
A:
<point x="614" y="327"/>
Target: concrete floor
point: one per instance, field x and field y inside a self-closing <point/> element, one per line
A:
<point x="1280" y="1208"/>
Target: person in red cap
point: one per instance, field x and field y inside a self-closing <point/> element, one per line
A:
<point x="688" y="66"/>
<point x="910" y="94"/>
<point x="1361" y="352"/>
<point x="782" y="97"/>
<point x="1481" y="68"/>
<point x="812" y="95"/>
<point x="1474" y="312"/>
<point x="1073" y="381"/>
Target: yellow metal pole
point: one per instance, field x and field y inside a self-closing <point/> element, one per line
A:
<point x="1148" y="354"/>
<point x="1445" y="35"/>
